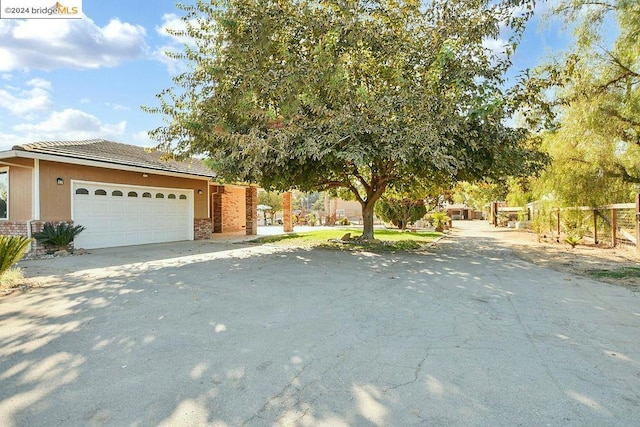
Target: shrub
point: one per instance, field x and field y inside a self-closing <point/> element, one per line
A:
<point x="58" y="237"/>
<point x="12" y="249"/>
<point x="344" y="221"/>
<point x="572" y="240"/>
<point x="439" y="220"/>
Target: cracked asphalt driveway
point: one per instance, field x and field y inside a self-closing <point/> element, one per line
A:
<point x="210" y="333"/>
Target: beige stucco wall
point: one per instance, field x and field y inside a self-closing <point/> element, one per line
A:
<point x="55" y="200"/>
<point x="20" y="188"/>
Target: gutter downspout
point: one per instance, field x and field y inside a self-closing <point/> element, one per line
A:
<point x="35" y="201"/>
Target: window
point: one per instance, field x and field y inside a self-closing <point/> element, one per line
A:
<point x="146" y="195"/>
<point x="132" y="194"/>
<point x="171" y="196"/>
<point x="100" y="193"/>
<point x="183" y="197"/>
<point x="117" y="193"/>
<point x="82" y="191"/>
<point x="4" y="193"/>
<point x="159" y="196"/>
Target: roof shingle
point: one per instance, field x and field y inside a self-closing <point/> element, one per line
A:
<point x="116" y="153"/>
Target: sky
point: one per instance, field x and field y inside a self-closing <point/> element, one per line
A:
<point x="75" y="79"/>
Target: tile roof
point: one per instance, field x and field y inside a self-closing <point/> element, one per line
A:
<point x="115" y="153"/>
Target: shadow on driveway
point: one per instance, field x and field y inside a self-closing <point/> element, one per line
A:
<point x="238" y="334"/>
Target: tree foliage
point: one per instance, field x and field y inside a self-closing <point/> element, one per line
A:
<point x="359" y="94"/>
<point x="400" y="212"/>
<point x="272" y="199"/>
<point x="596" y="144"/>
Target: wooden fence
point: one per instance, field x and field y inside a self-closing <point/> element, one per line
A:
<point x="612" y="224"/>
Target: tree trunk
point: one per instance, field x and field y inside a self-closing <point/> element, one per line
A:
<point x="367" y="219"/>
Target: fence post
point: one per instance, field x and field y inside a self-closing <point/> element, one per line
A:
<point x="494" y="209"/>
<point x="638" y="221"/>
<point x="614" y="226"/>
<point x="558" y="229"/>
<point x="595" y="226"/>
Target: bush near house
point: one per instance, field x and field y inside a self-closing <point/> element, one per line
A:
<point x="12" y="249"/>
<point x="56" y="238"/>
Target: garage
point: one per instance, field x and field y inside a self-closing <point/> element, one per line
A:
<point x="121" y="215"/>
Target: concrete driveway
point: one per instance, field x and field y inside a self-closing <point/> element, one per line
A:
<point x="202" y="333"/>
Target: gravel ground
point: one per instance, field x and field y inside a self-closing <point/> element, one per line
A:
<point x="585" y="259"/>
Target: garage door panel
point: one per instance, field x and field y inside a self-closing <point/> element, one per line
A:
<point x="114" y="220"/>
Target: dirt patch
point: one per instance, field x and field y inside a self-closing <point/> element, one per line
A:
<point x="619" y="265"/>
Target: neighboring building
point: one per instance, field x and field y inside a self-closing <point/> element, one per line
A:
<point x="122" y="194"/>
<point x="460" y="211"/>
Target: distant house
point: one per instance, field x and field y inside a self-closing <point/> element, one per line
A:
<point x="460" y="211"/>
<point x="122" y="194"/>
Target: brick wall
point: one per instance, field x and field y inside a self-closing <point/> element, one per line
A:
<point x="19" y="228"/>
<point x="233" y="209"/>
<point x="13" y="228"/>
<point x="252" y="211"/>
<point x="202" y="228"/>
<point x="286" y="215"/>
<point x="216" y="207"/>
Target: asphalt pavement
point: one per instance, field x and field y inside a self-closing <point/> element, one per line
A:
<point x="229" y="333"/>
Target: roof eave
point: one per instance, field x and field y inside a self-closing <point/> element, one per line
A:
<point x="95" y="163"/>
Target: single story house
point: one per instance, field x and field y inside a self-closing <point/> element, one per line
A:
<point x="122" y="194"/>
<point x="459" y="211"/>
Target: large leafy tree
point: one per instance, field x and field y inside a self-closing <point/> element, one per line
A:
<point x="358" y="94"/>
<point x="596" y="145"/>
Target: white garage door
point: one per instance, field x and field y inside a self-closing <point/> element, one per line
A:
<point x="119" y="215"/>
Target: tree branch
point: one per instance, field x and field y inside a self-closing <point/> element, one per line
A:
<point x="624" y="175"/>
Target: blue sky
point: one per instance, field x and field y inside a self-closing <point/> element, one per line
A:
<point x="87" y="78"/>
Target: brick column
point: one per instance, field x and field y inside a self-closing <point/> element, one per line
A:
<point x="286" y="212"/>
<point x="216" y="210"/>
<point x="252" y="211"/>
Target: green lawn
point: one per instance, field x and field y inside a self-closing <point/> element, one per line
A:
<point x="387" y="240"/>
<point x="619" y="273"/>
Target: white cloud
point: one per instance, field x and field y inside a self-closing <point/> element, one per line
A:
<point x="65" y="125"/>
<point x="26" y="102"/>
<point x="497" y="46"/>
<point x="68" y="43"/>
<point x="175" y="44"/>
<point x="40" y="83"/>
<point x="142" y="138"/>
<point x="117" y="107"/>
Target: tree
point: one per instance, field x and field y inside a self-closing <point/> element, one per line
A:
<point x="400" y="212"/>
<point x="596" y="142"/>
<point x="270" y="199"/>
<point x="359" y="94"/>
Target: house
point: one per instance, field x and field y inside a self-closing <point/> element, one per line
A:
<point x="122" y="194"/>
<point x="459" y="211"/>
